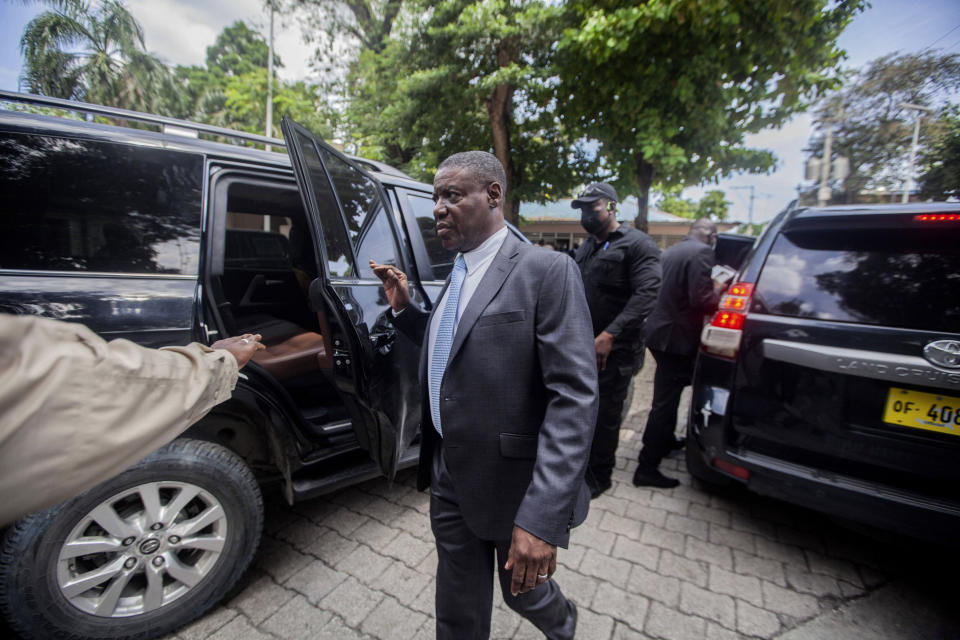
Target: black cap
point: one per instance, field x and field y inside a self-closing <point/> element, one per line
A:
<point x="594" y="192"/>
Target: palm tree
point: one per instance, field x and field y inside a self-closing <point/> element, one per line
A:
<point x="79" y="52"/>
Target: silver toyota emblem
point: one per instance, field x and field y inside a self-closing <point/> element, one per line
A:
<point x="943" y="353"/>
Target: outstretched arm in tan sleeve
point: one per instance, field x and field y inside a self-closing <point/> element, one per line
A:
<point x="76" y="410"/>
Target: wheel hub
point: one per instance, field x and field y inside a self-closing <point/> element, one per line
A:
<point x="149" y="546"/>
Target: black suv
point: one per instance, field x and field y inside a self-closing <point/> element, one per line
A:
<point x="830" y="375"/>
<point x="164" y="237"/>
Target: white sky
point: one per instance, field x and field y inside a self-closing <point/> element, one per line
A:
<point x="179" y="31"/>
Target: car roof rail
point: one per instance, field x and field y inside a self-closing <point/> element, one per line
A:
<point x="172" y="126"/>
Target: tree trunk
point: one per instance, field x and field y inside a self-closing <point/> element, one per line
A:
<point x="511" y="211"/>
<point x="644" y="176"/>
<point x="500" y="108"/>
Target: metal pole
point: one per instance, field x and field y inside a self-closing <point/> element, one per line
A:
<point x="823" y="193"/>
<point x="753" y="196"/>
<point x="270" y="80"/>
<point x="910" y="182"/>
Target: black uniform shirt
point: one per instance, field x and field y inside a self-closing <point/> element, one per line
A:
<point x="621" y="278"/>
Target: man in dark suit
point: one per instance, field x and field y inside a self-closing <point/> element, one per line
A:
<point x="508" y="380"/>
<point x="672" y="334"/>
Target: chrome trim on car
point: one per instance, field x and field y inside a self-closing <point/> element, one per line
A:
<point x="95" y="274"/>
<point x="868" y="364"/>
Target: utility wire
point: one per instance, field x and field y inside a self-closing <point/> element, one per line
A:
<point x="943" y="36"/>
<point x="952" y="46"/>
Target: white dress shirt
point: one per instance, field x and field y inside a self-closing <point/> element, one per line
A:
<point x="478" y="261"/>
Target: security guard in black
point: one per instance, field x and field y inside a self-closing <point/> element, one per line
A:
<point x="620" y="267"/>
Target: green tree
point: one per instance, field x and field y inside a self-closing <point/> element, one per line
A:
<point x="245" y="104"/>
<point x="367" y="22"/>
<point x="95" y="54"/>
<point x="713" y="205"/>
<point x="871" y="126"/>
<point x="669" y="88"/>
<point x="941" y="161"/>
<point x="231" y="89"/>
<point x="468" y="75"/>
<point x="341" y="31"/>
<point x="682" y="207"/>
<point x="239" y="50"/>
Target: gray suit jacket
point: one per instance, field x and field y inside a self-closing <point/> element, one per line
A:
<point x="518" y="398"/>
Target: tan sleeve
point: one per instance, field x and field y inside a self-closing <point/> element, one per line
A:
<point x="76" y="410"/>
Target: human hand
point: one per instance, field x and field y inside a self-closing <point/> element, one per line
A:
<point x="241" y="347"/>
<point x="532" y="560"/>
<point x="394" y="285"/>
<point x="603" y="344"/>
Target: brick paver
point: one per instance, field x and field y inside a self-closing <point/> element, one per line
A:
<point x="685" y="563"/>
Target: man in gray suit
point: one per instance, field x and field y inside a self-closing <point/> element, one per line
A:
<point x="509" y="378"/>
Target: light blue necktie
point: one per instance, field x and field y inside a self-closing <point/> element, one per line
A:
<point x="444" y="340"/>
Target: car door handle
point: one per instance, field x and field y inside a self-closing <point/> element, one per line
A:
<point x="382" y="340"/>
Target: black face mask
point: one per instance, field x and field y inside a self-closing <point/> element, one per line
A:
<point x="589" y="221"/>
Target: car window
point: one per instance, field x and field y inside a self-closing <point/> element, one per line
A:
<point x="367" y="221"/>
<point x="336" y="242"/>
<point x="80" y="205"/>
<point x="440" y="259"/>
<point x="900" y="278"/>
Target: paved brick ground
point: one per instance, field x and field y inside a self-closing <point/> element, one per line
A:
<point x="679" y="564"/>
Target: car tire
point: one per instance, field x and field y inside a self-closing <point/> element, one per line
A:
<point x="106" y="564"/>
<point x="699" y="469"/>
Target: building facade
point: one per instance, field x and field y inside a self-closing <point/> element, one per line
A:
<point x="557" y="223"/>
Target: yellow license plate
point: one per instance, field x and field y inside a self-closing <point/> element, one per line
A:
<point x="930" y="411"/>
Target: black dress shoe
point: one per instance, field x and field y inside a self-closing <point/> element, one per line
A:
<point x="646" y="477"/>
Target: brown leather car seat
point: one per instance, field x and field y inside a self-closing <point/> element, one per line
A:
<point x="292" y="356"/>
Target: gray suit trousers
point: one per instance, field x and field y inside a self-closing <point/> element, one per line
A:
<point x="465" y="574"/>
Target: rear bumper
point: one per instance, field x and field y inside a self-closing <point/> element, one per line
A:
<point x="870" y="503"/>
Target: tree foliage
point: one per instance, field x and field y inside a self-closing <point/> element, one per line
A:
<point x="468" y="74"/>
<point x="231" y="89"/>
<point x="95" y="54"/>
<point x="238" y="50"/>
<point x="941" y="160"/>
<point x="670" y="88"/>
<point x="713" y="205"/>
<point x="341" y="31"/>
<point x="871" y="125"/>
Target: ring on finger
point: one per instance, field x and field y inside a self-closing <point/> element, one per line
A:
<point x="543" y="576"/>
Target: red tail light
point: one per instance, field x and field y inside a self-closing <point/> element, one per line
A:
<point x="735" y="470"/>
<point x="937" y="217"/>
<point x="722" y="336"/>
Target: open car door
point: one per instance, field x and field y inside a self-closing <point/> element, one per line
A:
<point x="732" y="249"/>
<point x="373" y="367"/>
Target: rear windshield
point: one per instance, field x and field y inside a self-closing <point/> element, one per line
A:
<point x="901" y="278"/>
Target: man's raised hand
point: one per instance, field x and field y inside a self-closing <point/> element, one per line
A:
<point x="394" y="285"/>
